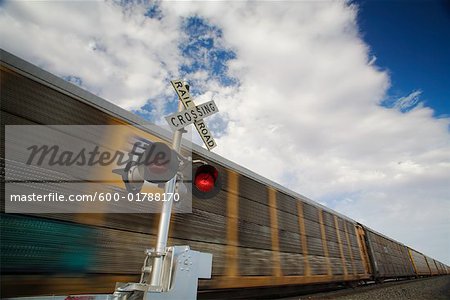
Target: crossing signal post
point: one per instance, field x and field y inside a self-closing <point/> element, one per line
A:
<point x="173" y="272"/>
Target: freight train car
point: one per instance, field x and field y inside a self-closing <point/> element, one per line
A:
<point x="420" y="264"/>
<point x="432" y="266"/>
<point x="426" y="266"/>
<point x="260" y="233"/>
<point x="389" y="258"/>
<point x="441" y="267"/>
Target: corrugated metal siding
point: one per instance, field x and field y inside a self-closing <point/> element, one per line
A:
<point x="392" y="257"/>
<point x="432" y="265"/>
<point x="420" y="263"/>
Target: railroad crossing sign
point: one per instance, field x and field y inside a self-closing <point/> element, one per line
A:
<point x="190" y="111"/>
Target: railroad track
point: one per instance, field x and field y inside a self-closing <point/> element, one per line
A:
<point x="429" y="288"/>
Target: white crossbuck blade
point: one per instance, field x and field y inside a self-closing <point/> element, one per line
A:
<point x="185" y="98"/>
<point x="188" y="116"/>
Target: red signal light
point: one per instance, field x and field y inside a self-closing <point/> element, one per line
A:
<point x="207" y="182"/>
<point x="204" y="182"/>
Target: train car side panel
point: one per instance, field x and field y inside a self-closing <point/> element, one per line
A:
<point x="420" y="263"/>
<point x="392" y="258"/>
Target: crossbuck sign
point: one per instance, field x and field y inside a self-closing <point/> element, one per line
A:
<point x="192" y="114"/>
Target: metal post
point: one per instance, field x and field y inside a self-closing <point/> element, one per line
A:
<point x="164" y="221"/>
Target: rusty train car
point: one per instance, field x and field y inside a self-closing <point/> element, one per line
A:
<point x="260" y="233"/>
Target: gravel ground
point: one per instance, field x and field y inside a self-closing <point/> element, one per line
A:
<point x="435" y="288"/>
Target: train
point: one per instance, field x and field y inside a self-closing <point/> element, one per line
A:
<point x="260" y="233"/>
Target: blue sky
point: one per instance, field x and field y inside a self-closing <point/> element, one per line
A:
<point x="345" y="104"/>
<point x="411" y="39"/>
<point x="201" y="51"/>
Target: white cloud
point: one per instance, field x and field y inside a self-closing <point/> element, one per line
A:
<point x="306" y="112"/>
<point x="119" y="53"/>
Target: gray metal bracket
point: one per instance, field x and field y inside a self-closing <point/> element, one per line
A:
<point x="182" y="267"/>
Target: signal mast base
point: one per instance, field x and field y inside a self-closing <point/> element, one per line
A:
<point x="182" y="267"/>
